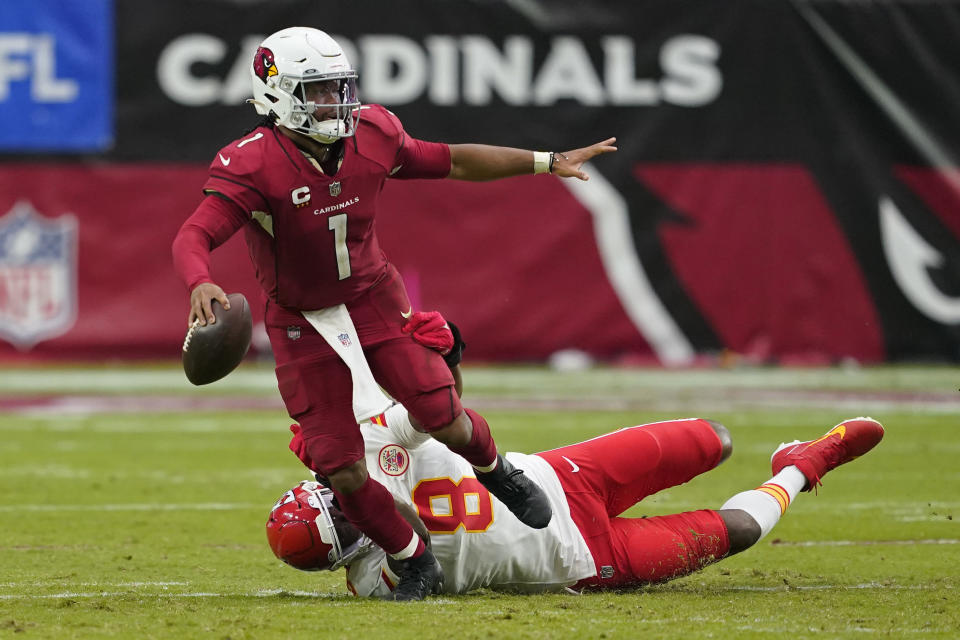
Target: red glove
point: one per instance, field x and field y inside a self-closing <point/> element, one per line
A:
<point x="431" y="330"/>
<point x="299" y="447"/>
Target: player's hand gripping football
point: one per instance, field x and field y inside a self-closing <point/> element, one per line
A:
<point x="200" y="299"/>
<point x="567" y="164"/>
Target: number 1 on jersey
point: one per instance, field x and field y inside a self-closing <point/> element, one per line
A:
<point x="338" y="224"/>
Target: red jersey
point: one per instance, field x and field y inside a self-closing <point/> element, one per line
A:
<point x="312" y="237"/>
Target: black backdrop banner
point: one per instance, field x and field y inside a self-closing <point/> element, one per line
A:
<point x="787" y="178"/>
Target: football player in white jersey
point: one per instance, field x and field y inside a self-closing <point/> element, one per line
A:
<point x="479" y="543"/>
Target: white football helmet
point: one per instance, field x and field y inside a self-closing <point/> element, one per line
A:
<point x="291" y="68"/>
<point x="307" y="530"/>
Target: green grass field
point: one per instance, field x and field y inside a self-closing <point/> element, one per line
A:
<point x="133" y="506"/>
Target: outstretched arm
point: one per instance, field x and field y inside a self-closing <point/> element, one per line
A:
<point x="478" y="162"/>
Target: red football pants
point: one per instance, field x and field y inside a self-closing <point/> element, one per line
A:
<point x="605" y="476"/>
<point x="316" y="385"/>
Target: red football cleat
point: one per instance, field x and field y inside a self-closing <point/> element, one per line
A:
<point x="848" y="440"/>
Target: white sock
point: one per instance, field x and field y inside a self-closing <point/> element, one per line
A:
<point x="489" y="467"/>
<point x="409" y="550"/>
<point x="769" y="501"/>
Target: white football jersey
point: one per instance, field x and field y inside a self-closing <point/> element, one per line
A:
<point x="476" y="539"/>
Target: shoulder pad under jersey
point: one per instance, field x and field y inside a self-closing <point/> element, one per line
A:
<point x="244" y="156"/>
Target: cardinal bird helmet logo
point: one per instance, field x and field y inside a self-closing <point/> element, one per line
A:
<point x="263" y="64"/>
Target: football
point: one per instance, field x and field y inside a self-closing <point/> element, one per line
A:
<point x="211" y="352"/>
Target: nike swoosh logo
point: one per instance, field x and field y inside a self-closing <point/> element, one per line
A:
<point x="409" y="312"/>
<point x="573" y="465"/>
<point x="225" y="161"/>
<point x="840" y="430"/>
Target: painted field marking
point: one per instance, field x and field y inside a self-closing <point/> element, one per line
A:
<point x="96" y="584"/>
<point x="840" y="587"/>
<point x="78" y="424"/>
<point x="268" y="593"/>
<point x="205" y="506"/>
<point x="905" y="508"/>
<point x="861" y="543"/>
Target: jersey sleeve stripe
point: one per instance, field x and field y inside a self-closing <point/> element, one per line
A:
<point x="245" y="186"/>
<point x="222" y="196"/>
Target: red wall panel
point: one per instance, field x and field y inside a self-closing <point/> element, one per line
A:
<point x="766" y="262"/>
<point x="514" y="262"/>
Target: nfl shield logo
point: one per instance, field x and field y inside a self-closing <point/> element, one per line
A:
<point x="38" y="276"/>
<point x="335" y="189"/>
<point x="293" y="332"/>
<point x="344" y="339"/>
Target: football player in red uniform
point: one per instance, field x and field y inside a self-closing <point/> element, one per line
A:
<point x="304" y="186"/>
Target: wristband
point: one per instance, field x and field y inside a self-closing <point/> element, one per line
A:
<point x="541" y="162"/>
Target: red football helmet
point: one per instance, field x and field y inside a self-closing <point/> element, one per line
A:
<point x="308" y="532"/>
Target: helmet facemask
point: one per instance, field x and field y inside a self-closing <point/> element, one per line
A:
<point x="332" y="525"/>
<point x="326" y="115"/>
<point x="307" y="530"/>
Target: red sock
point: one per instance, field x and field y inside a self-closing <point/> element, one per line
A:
<point x="370" y="508"/>
<point x="481" y="451"/>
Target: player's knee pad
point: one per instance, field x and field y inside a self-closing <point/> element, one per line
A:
<point x="726" y="440"/>
<point x="434" y="409"/>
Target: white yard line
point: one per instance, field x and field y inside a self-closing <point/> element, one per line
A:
<point x="66" y="407"/>
<point x="519" y="380"/>
<point x="80" y="380"/>
<point x="839" y="587"/>
<point x="96" y="584"/>
<point x="862" y="543"/>
<point x="267" y="593"/>
<point x="207" y="506"/>
<point x="270" y="593"/>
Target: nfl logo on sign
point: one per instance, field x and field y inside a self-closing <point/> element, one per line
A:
<point x="335" y="189"/>
<point x="344" y="339"/>
<point x="38" y="276"/>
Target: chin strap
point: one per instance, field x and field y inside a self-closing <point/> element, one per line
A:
<point x="261" y="108"/>
<point x="324" y="138"/>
